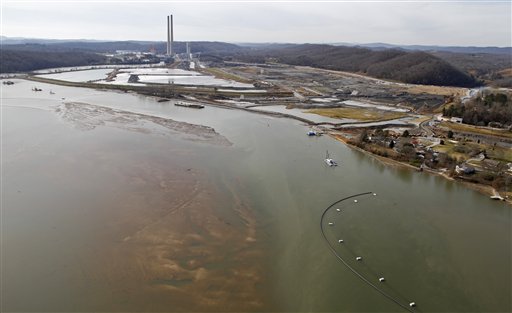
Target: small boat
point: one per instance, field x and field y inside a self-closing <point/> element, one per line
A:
<point x="312" y="133"/>
<point x="52" y="93"/>
<point x="359" y="258"/>
<point x="192" y="106"/>
<point x="162" y="100"/>
<point x="496" y="197"/>
<point x="36" y="89"/>
<point x="330" y="161"/>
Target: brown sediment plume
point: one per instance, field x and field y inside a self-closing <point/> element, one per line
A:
<point x="172" y="240"/>
<point x="179" y="247"/>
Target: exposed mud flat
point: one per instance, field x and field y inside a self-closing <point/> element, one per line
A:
<point x="86" y="116"/>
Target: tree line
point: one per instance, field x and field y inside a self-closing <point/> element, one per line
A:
<point x="13" y="61"/>
<point x="486" y="109"/>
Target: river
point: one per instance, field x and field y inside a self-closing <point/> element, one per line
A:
<point x="116" y="202"/>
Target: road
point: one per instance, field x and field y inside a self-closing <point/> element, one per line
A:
<point x="426" y="128"/>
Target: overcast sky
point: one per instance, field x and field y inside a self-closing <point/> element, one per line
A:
<point x="461" y="23"/>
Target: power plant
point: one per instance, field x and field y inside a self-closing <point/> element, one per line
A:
<point x="188" y="55"/>
<point x="170" y="35"/>
<point x="171" y="56"/>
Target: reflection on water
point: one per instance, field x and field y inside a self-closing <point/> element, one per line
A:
<point x="407" y="176"/>
<point x="142" y="219"/>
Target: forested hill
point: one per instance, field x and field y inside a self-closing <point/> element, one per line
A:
<point x="414" y="67"/>
<point x="13" y="61"/>
<point x="111" y="47"/>
<point x="27" y="57"/>
<point x="409" y="67"/>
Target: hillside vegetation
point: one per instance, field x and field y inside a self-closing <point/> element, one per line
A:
<point x="493" y="69"/>
<point x="416" y="67"/>
<point x="12" y="61"/>
<point x="111" y="47"/>
<point x="34" y="56"/>
<point x="489" y="108"/>
<point x="408" y="67"/>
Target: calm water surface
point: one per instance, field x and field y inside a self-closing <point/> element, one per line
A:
<point x="437" y="243"/>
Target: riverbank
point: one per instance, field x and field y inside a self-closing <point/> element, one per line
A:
<point x="484" y="189"/>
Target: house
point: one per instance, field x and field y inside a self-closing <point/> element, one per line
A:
<point x="464" y="169"/>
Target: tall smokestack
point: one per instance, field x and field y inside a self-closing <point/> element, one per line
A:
<point x="168" y="35"/>
<point x="172" y="38"/>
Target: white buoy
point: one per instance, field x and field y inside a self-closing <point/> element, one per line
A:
<point x="359" y="258"/>
<point x="412" y="304"/>
<point x="338" y="210"/>
<point x="355" y="201"/>
<point x="340" y="241"/>
<point x="382" y="279"/>
<point x="331" y="223"/>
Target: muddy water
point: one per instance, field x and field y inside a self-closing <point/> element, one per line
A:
<point x="115" y="202"/>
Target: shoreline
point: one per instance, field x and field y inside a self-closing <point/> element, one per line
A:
<point x="483" y="189"/>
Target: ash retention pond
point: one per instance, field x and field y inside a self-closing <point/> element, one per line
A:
<point x="115" y="202"/>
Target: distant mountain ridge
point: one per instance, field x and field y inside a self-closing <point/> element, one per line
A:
<point x="457" y="49"/>
<point x="376" y="45"/>
<point x="382" y="46"/>
<point x="22" y="40"/>
<point x="25" y="57"/>
<point x="113" y="46"/>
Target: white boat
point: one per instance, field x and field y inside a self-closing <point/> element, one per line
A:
<point x="312" y="133"/>
<point x="330" y="161"/>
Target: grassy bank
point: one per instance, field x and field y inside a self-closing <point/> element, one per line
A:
<point x="360" y="114"/>
<point x="461" y="151"/>
<point x="476" y="181"/>
<point x="219" y="73"/>
<point x="457" y="127"/>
